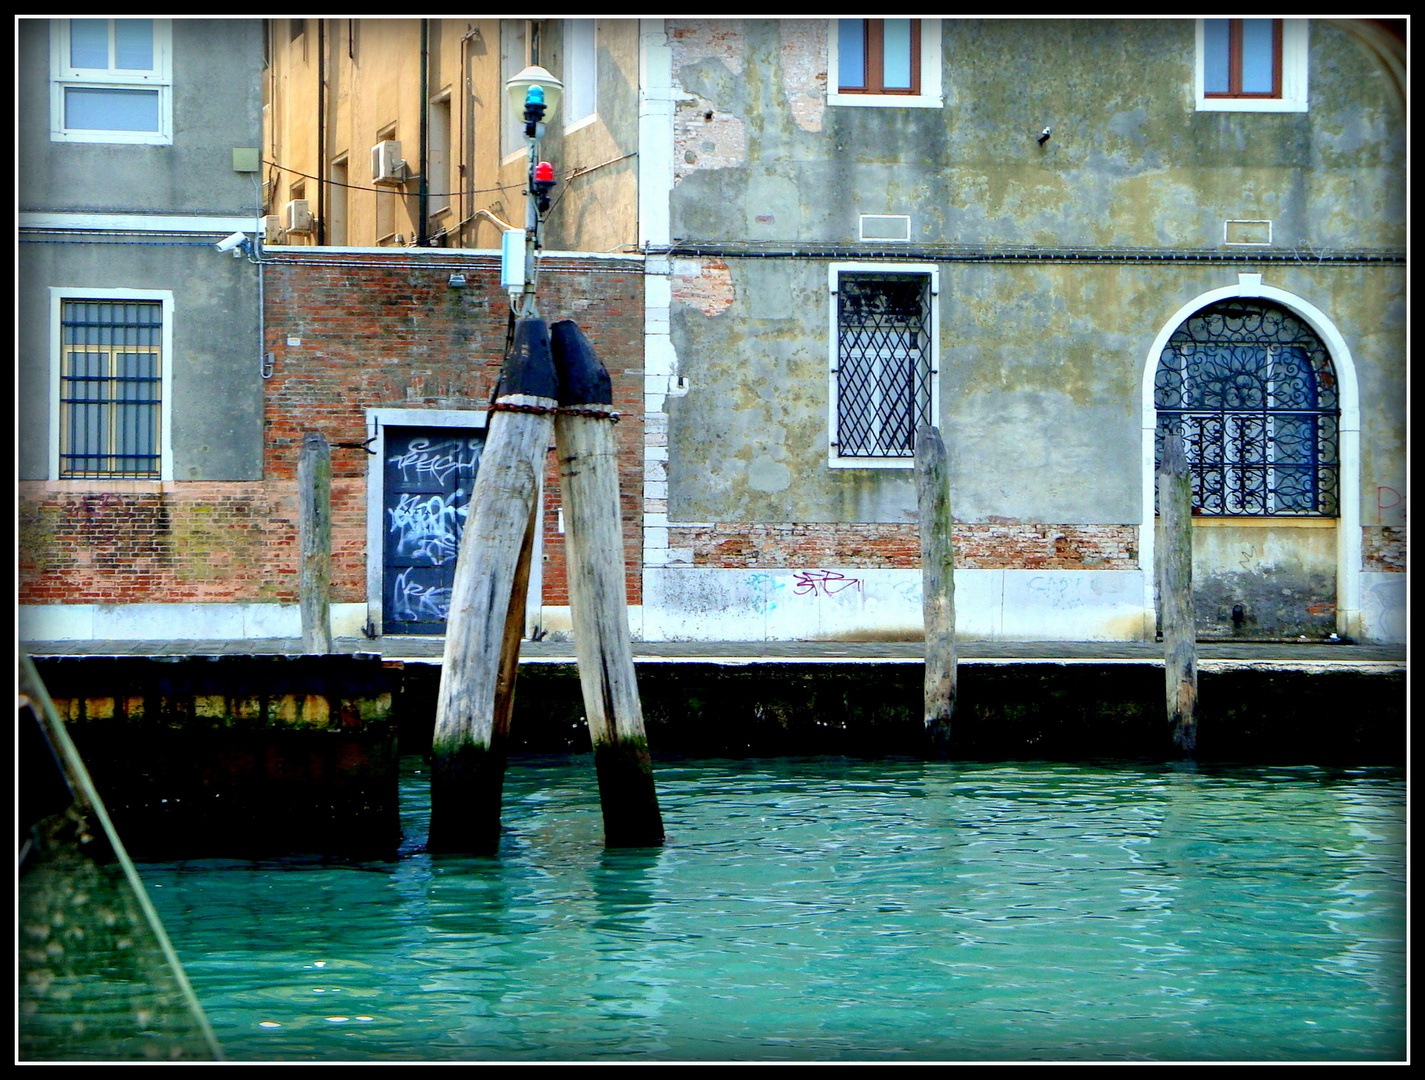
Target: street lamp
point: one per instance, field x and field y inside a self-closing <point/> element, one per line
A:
<point x="533" y="94"/>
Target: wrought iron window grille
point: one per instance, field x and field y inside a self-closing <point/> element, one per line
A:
<point x="1252" y="391"/>
<point x="883" y="367"/>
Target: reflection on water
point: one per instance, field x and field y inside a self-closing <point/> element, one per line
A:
<point x="834" y="910"/>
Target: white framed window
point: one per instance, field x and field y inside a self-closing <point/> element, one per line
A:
<point x="883" y="360"/>
<point x="438" y="170"/>
<point x="580" y="101"/>
<point x="885" y="62"/>
<point x="1251" y="65"/>
<point x="111" y="81"/>
<point x="110" y="378"/>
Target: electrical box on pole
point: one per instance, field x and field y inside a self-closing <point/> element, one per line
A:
<point x="512" y="260"/>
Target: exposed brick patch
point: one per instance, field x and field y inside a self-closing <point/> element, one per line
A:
<point x="705" y="284"/>
<point x="1383" y="549"/>
<point x="802" y="62"/>
<point x="890" y="546"/>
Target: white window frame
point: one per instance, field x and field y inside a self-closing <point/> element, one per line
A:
<point x="580" y="103"/>
<point x="64" y="76"/>
<point x="834" y="272"/>
<point x="930" y="96"/>
<point x="58" y="296"/>
<point x="1295" y="50"/>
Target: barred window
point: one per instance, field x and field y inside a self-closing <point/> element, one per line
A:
<point x="1252" y="391"/>
<point x="110" y="389"/>
<point x="883" y="365"/>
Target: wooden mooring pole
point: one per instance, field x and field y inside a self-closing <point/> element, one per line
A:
<point x="593" y="538"/>
<point x="1175" y="593"/>
<point x="314" y="485"/>
<point x="486" y="618"/>
<point x="937" y="567"/>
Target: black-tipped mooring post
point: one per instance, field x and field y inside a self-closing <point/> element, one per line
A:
<point x="937" y="569"/>
<point x="1175" y="594"/>
<point x="593" y="540"/>
<point x="487" y="603"/>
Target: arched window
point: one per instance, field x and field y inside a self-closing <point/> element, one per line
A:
<point x="1251" y="389"/>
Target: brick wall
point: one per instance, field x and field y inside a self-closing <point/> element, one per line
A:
<point x="348" y="331"/>
<point x="191" y="542"/>
<point x="356" y="331"/>
<point x="1383" y="549"/>
<point x="889" y="546"/>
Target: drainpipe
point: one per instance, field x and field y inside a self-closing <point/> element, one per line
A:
<point x="423" y="201"/>
<point x="321" y="132"/>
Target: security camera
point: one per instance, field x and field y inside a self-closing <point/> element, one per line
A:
<point x="231" y="242"/>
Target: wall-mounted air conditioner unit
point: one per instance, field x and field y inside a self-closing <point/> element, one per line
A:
<point x="272" y="229"/>
<point x="297" y="217"/>
<point x="386" y="164"/>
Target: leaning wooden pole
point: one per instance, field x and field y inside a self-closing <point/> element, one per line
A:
<point x="1175" y="594"/>
<point x="593" y="542"/>
<point x="486" y="617"/>
<point x="314" y="486"/>
<point x="937" y="568"/>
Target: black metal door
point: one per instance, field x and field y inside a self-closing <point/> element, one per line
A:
<point x="429" y="475"/>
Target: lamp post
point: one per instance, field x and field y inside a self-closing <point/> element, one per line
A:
<point x="533" y="94"/>
<point x="486" y="616"/>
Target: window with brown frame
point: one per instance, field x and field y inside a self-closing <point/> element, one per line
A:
<point x="1242" y="58"/>
<point x="878" y="56"/>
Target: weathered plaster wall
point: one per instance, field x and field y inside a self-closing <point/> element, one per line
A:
<point x="216" y="107"/>
<point x="1041" y="370"/>
<point x="1041" y="363"/>
<point x="1130" y="163"/>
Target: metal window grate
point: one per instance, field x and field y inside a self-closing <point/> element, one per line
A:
<point x="883" y="363"/>
<point x="1252" y="390"/>
<point x="110" y="389"/>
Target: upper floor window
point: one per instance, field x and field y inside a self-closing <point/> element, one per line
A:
<point x="1251" y="389"/>
<point x="884" y="62"/>
<point x="580" y="72"/>
<point x="111" y="81"/>
<point x="1242" y="58"/>
<point x="878" y="56"/>
<point x="1251" y="65"/>
<point x="883" y="368"/>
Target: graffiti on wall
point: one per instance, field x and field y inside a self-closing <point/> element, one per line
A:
<point x="428" y="527"/>
<point x="438" y="459"/>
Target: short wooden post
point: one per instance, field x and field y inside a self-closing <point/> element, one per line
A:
<point x="593" y="539"/>
<point x="937" y="568"/>
<point x="486" y="617"/>
<point x="314" y="484"/>
<point x="1175" y="593"/>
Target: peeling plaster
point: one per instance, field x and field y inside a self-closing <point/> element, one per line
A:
<point x="705" y="138"/>
<point x="803" y="72"/>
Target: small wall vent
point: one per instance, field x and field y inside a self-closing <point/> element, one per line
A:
<point x="885" y="227"/>
<point x="1247" y="233"/>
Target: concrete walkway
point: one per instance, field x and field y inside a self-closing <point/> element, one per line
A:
<point x="1212" y="656"/>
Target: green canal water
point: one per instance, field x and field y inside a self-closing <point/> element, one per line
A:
<point x="834" y="910"/>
